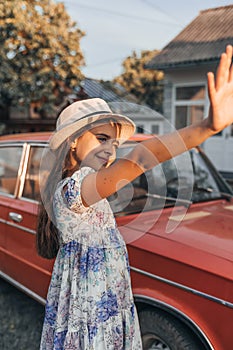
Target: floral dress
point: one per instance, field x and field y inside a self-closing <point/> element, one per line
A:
<point x="90" y="304"/>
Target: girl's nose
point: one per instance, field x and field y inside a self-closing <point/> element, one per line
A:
<point x="110" y="148"/>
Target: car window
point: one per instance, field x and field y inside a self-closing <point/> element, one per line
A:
<point x="205" y="181"/>
<point x="194" y="176"/>
<point x="186" y="177"/>
<point x="31" y="188"/>
<point x="10" y="158"/>
<point x="157" y="188"/>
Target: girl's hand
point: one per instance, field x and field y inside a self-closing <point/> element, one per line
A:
<point x="220" y="91"/>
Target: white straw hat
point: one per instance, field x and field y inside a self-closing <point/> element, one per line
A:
<point x="84" y="113"/>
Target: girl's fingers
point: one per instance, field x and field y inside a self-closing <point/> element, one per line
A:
<point x="223" y="72"/>
<point x="231" y="74"/>
<point x="211" y="85"/>
<point x="229" y="52"/>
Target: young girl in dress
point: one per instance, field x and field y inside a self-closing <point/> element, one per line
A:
<point x="90" y="304"/>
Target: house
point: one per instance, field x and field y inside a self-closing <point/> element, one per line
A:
<point x="146" y="119"/>
<point x="31" y="117"/>
<point x="121" y="101"/>
<point x="185" y="62"/>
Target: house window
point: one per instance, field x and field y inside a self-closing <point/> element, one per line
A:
<point x="192" y="93"/>
<point x="189" y="105"/>
<point x="150" y="128"/>
<point x="186" y="115"/>
<point x="140" y="129"/>
<point x="155" y="129"/>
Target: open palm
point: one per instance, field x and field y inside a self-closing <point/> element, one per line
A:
<point x="220" y="89"/>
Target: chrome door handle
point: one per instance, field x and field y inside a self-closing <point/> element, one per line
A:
<point x="15" y="217"/>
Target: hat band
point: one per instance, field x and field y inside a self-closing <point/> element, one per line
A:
<point x="94" y="113"/>
<point x="85" y="116"/>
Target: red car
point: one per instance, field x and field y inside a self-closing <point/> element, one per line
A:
<point x="177" y="222"/>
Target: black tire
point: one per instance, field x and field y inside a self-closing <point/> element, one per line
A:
<point x="161" y="331"/>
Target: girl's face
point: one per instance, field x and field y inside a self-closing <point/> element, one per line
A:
<point x="97" y="147"/>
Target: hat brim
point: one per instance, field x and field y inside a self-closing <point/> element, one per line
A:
<point x="127" y="128"/>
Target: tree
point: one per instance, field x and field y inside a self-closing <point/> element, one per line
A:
<point x="145" y="84"/>
<point x="39" y="52"/>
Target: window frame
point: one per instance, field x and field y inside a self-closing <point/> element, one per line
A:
<point x="147" y="127"/>
<point x="188" y="103"/>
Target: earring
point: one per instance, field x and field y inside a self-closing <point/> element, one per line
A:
<point x="74" y="145"/>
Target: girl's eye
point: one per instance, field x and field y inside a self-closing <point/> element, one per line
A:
<point x="102" y="139"/>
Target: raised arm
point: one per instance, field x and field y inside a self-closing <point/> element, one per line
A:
<point x="159" y="149"/>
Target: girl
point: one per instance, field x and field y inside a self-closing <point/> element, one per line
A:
<point x="90" y="303"/>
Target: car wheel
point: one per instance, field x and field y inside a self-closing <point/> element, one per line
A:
<point x="163" y="332"/>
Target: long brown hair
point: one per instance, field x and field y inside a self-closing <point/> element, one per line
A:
<point x="47" y="237"/>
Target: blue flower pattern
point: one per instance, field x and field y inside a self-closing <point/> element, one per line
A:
<point x="92" y="260"/>
<point x="107" y="306"/>
<point x="90" y="304"/>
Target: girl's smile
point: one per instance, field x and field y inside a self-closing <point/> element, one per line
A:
<point x="96" y="148"/>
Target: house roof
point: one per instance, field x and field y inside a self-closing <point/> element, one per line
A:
<point x="119" y="100"/>
<point x="107" y="90"/>
<point x="203" y="40"/>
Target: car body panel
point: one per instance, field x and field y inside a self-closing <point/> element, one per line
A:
<point x="180" y="255"/>
<point x="23" y="264"/>
<point x="189" y="233"/>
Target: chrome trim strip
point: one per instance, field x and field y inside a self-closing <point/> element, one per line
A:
<point x="23" y="169"/>
<point x="141" y="298"/>
<point x="183" y="287"/>
<point x="23" y="228"/>
<point x="22" y="288"/>
<point x="20" y="142"/>
<point x="4" y="194"/>
<point x="20" y="169"/>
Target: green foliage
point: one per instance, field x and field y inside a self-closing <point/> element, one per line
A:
<point x="145" y="84"/>
<point x="39" y="51"/>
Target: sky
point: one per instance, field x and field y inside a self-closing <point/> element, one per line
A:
<point x="116" y="28"/>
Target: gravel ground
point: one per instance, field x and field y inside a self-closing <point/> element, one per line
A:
<point x="21" y="319"/>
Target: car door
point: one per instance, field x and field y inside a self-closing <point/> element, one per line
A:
<point x="31" y="272"/>
<point x="11" y="158"/>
